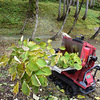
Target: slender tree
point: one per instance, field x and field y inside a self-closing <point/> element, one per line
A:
<point x="87" y="3"/>
<point x="76" y="18"/>
<point x="73" y="2"/>
<point x="59" y="10"/>
<point x="77" y="5"/>
<point x="93" y="3"/>
<point x="97" y="32"/>
<point x="67" y="5"/>
<point x="63" y="16"/>
<point x="30" y="13"/>
<point x="36" y="20"/>
<point x="90" y="4"/>
<point x="53" y="38"/>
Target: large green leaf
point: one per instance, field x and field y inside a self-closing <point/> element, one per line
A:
<point x="77" y="66"/>
<point x="28" y="70"/>
<point x="40" y="72"/>
<point x="31" y="43"/>
<point x="42" y="45"/>
<point x="35" y="89"/>
<point x="65" y="65"/>
<point x="34" y="47"/>
<point x="35" y="81"/>
<point x="62" y="48"/>
<point x="25" y="77"/>
<point x="47" y="71"/>
<point x="52" y="51"/>
<point x="33" y="66"/>
<point x="44" y="71"/>
<point x="25" y="88"/>
<point x="26" y="53"/>
<point x="41" y="62"/>
<point x="43" y="80"/>
<point x="37" y="39"/>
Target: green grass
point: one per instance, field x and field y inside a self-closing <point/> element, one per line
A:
<point x="13" y="14"/>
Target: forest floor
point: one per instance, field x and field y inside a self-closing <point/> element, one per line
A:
<point x="51" y="92"/>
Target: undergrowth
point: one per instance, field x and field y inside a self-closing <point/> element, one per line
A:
<point x="13" y="14"/>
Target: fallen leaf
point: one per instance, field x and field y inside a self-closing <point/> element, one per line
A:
<point x="98" y="98"/>
<point x="35" y="97"/>
<point x="62" y="90"/>
<point x="0" y="84"/>
<point x="80" y="96"/>
<point x="5" y="83"/>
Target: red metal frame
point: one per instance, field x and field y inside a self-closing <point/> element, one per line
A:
<point x="78" y="76"/>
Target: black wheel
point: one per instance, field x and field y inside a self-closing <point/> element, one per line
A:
<point x="71" y="88"/>
<point x="51" y="77"/>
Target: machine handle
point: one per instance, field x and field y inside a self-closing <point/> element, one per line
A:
<point x="97" y="67"/>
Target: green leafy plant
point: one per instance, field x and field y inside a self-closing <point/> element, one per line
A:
<point x="66" y="60"/>
<point x="28" y="63"/>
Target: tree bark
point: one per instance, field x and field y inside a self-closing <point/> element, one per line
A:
<point x="32" y="4"/>
<point x="97" y="32"/>
<point x="29" y="14"/>
<point x="93" y="3"/>
<point x="23" y="26"/>
<point x="67" y="3"/>
<point x="77" y="5"/>
<point x="53" y="38"/>
<point x="76" y="18"/>
<point x="90" y="5"/>
<point x="59" y="10"/>
<point x="87" y="3"/>
<point x="73" y="2"/>
<point x="63" y="16"/>
<point x="36" y="20"/>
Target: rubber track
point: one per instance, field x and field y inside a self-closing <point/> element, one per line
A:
<point x="68" y="81"/>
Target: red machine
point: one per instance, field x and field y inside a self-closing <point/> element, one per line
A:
<point x="73" y="80"/>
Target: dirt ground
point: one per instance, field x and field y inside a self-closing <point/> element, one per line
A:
<point x="51" y="91"/>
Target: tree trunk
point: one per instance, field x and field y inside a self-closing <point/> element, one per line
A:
<point x="77" y="5"/>
<point x="59" y="10"/>
<point x="76" y="18"/>
<point x="67" y="3"/>
<point x="90" y="5"/>
<point x="53" y="38"/>
<point x="32" y="9"/>
<point x="63" y="16"/>
<point x="29" y="14"/>
<point x="97" y="32"/>
<point x="87" y="3"/>
<point x="93" y="3"/>
<point x="73" y="2"/>
<point x="23" y="26"/>
<point x="36" y="20"/>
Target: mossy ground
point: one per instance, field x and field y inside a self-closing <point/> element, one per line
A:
<point x="13" y="14"/>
